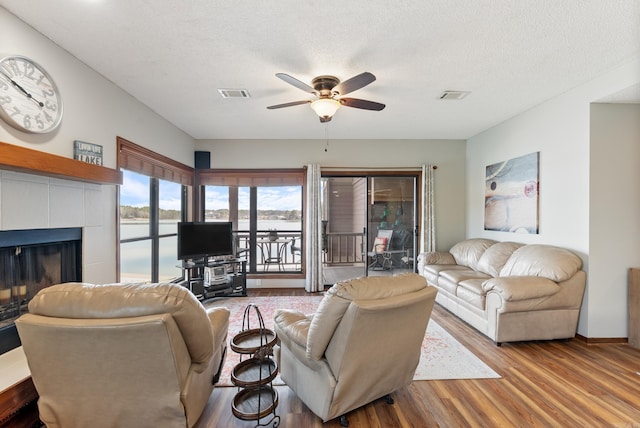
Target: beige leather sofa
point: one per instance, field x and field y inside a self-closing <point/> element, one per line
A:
<point x="509" y="291"/>
<point x="362" y="343"/>
<point x="122" y="355"/>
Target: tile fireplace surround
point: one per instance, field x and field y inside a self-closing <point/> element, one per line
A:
<point x="29" y="201"/>
<point x="43" y="191"/>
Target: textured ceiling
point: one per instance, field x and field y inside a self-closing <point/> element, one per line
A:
<point x="173" y="56"/>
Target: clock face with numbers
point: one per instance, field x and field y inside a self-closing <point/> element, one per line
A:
<point x="29" y="99"/>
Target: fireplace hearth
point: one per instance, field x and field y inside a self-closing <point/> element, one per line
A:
<point x="31" y="260"/>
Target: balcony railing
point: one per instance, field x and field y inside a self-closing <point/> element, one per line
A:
<point x="274" y="252"/>
<point x="283" y="252"/>
<point x="344" y="248"/>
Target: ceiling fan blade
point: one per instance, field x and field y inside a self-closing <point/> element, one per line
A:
<point x="363" y="104"/>
<point x="295" y="82"/>
<point x="355" y="83"/>
<point x="294" y="103"/>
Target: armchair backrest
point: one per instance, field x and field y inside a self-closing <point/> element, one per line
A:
<point x="128" y="351"/>
<point x="372" y="325"/>
<point x="347" y="301"/>
<point x="107" y="301"/>
<point x="105" y="382"/>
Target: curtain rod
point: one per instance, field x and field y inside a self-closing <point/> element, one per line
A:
<point x="356" y="168"/>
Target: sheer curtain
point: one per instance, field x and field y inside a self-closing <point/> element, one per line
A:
<point x="313" y="232"/>
<point x="428" y="227"/>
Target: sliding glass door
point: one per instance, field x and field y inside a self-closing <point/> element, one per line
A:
<point x="369" y="225"/>
<point x="391" y="224"/>
<point x="344" y="224"/>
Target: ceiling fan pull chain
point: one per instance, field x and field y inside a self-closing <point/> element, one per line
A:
<point x="326" y="136"/>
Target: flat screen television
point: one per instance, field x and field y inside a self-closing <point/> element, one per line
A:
<point x="198" y="240"/>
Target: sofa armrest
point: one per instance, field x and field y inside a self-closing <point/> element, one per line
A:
<point x="515" y="288"/>
<point x="436" y="258"/>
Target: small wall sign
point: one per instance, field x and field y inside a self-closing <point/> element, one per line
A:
<point x="87" y="152"/>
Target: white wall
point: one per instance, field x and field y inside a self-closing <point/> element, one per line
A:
<point x="447" y="154"/>
<point x="614" y="226"/>
<point x="560" y="130"/>
<point x="96" y="111"/>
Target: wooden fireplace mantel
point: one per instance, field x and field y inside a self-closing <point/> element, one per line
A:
<point x="22" y="159"/>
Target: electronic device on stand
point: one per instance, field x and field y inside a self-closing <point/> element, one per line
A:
<point x="209" y="267"/>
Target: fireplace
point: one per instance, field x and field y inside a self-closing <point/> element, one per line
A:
<point x="31" y="260"/>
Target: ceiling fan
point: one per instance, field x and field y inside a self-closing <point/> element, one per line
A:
<point x="329" y="91"/>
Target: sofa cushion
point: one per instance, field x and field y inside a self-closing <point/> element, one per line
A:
<point x="471" y="297"/>
<point x="494" y="258"/>
<point x="449" y="280"/>
<point x="432" y="272"/>
<point x="468" y="252"/>
<point x="515" y="288"/>
<point x="437" y="258"/>
<point x="436" y="269"/>
<point x="473" y="285"/>
<point x="447" y="285"/>
<point x="461" y="275"/>
<point x="554" y="263"/>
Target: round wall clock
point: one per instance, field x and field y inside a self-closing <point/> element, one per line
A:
<point x="29" y="98"/>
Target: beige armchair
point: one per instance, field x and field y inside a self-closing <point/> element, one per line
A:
<point x="362" y="343"/>
<point x="144" y="355"/>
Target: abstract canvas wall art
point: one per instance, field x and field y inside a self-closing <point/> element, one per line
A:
<point x="511" y="195"/>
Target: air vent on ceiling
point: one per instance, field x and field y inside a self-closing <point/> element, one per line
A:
<point x="234" y="93"/>
<point x="454" y="95"/>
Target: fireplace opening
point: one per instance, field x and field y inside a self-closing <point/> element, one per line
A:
<point x="32" y="260"/>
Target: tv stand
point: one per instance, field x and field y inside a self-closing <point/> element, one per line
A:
<point x="230" y="278"/>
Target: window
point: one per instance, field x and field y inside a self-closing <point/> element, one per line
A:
<point x="153" y="198"/>
<point x="135" y="230"/>
<point x="170" y="205"/>
<point x="266" y="210"/>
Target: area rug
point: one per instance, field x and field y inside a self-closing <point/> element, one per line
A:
<point x="443" y="357"/>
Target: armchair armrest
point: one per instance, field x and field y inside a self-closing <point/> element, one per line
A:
<point x="292" y="328"/>
<point x="219" y="319"/>
<point x="515" y="288"/>
<point x="436" y="258"/>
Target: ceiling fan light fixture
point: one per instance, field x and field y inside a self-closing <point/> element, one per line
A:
<point x="325" y="107"/>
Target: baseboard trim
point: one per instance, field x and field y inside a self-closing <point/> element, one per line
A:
<point x="601" y="340"/>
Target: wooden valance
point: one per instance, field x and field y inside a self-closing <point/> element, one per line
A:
<point x="250" y="177"/>
<point x="139" y="159"/>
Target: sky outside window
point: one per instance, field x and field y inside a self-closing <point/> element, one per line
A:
<point x="270" y="198"/>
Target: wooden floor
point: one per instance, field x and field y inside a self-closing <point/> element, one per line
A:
<point x="543" y="384"/>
